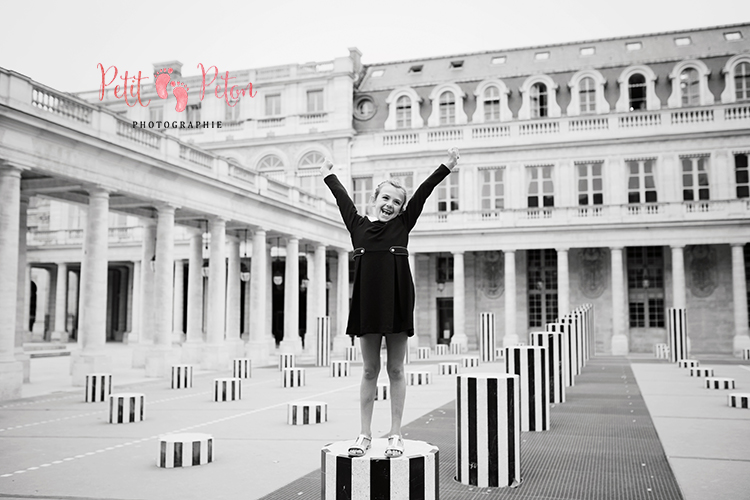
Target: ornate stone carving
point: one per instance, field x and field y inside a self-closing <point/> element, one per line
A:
<point x="491" y="267"/>
<point x="593" y="276"/>
<point x="701" y="273"/>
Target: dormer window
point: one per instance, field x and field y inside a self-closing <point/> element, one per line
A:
<point x="634" y="46"/>
<point x="732" y="36"/>
<point x="499" y="60"/>
<point x="416" y="69"/>
<point x="457" y="64"/>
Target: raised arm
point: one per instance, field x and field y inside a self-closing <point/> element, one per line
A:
<point x="416" y="204"/>
<point x="346" y="205"/>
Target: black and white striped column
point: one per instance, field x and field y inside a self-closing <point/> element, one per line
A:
<point x="126" y="407"/>
<point x="661" y="351"/>
<point x="448" y="368"/>
<point x="423" y="353"/>
<point x="455" y="349"/>
<point x="182" y="376"/>
<point x="227" y="389"/>
<point x="323" y="341"/>
<point x="441" y="350"/>
<point x="688" y="363"/>
<point x="488" y="437"/>
<point x="286" y="361"/>
<point x="745" y="354"/>
<point x="719" y="383"/>
<point x="418" y="378"/>
<point x="499" y="353"/>
<point x="470" y="361"/>
<point x="487" y="337"/>
<point x="701" y="372"/>
<point x="350" y="353"/>
<point x="739" y="400"/>
<point x="677" y="334"/>
<point x="413" y="476"/>
<point x="381" y="392"/>
<point x="242" y="368"/>
<point x="307" y="413"/>
<point x="553" y="343"/>
<point x="569" y="363"/>
<point x="340" y="368"/>
<point x="185" y="450"/>
<point x="98" y="387"/>
<point x="529" y="363"/>
<point x="293" y="377"/>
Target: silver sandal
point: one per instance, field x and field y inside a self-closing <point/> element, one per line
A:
<point x="395" y="447"/>
<point x="360" y="446"/>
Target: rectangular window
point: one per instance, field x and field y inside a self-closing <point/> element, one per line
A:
<point x="741" y="175"/>
<point x="541" y="268"/>
<point x="273" y="105"/>
<point x="193" y="112"/>
<point x="646" y="287"/>
<point x="406" y="179"/>
<point x="694" y="178"/>
<point x="444" y="271"/>
<point x="541" y="190"/>
<point x="232" y="113"/>
<point x="309" y="181"/>
<point x="314" y="101"/>
<point x="590" y="184"/>
<point x="361" y="193"/>
<point x="641" y="185"/>
<point x="492" y="189"/>
<point x="403" y="112"/>
<point x="448" y="194"/>
<point x="156" y="113"/>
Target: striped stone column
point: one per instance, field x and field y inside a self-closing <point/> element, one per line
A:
<point x="719" y="383"/>
<point x="470" y="361"/>
<point x="227" y="389"/>
<point x="98" y="387"/>
<point x="448" y="368"/>
<point x="414" y="475"/>
<point x="381" y="392"/>
<point x="455" y="349"/>
<point x="661" y="351"/>
<point x="745" y="354"/>
<point x="552" y="342"/>
<point x="242" y="368"/>
<point x="182" y="376"/>
<point x="185" y="450"/>
<point x="323" y="341"/>
<point x="487" y="337"/>
<point x="340" y="368"/>
<point x="488" y="438"/>
<point x="569" y="363"/>
<point x="677" y="334"/>
<point x="529" y="363"/>
<point x="126" y="407"/>
<point x="701" y="372"/>
<point x="688" y="363"/>
<point x="286" y="361"/>
<point x="418" y="378"/>
<point x="307" y="412"/>
<point x="293" y="377"/>
<point x="350" y="354"/>
<point x="739" y="400"/>
<point x="441" y="350"/>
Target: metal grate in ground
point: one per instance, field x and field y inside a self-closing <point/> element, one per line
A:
<point x="602" y="445"/>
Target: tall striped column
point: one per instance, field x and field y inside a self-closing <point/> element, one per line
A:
<point x="488" y="438"/>
<point x="529" y="364"/>
<point x="552" y="342"/>
<point x="569" y="371"/>
<point x="487" y="336"/>
<point x="677" y="334"/>
<point x="323" y="341"/>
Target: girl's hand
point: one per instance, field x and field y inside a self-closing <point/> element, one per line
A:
<point x="452" y="158"/>
<point x="326" y="167"/>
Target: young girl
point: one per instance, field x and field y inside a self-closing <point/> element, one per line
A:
<point x="383" y="295"/>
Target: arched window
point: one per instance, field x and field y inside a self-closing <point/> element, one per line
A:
<point x="311" y="159"/>
<point x="587" y="95"/>
<point x="742" y="82"/>
<point x="637" y="92"/>
<point x="403" y="112"/>
<point x="447" y="103"/>
<point x="270" y="163"/>
<point x="491" y="104"/>
<point x="690" y="87"/>
<point x="538" y="100"/>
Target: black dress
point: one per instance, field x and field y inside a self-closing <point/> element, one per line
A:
<point x="383" y="294"/>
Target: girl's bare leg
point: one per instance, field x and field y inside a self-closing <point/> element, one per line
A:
<point x="370" y="346"/>
<point x="396" y="345"/>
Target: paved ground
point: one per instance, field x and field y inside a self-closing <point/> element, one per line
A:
<point x="53" y="445"/>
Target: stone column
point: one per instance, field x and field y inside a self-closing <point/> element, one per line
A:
<point x="232" y="318"/>
<point x="178" y="304"/>
<point x="320" y="282"/>
<point x="92" y="333"/>
<point x="511" y="335"/>
<point x="135" y="319"/>
<point x="215" y="354"/>
<point x="60" y="301"/>
<point x="257" y="347"/>
<point x="292" y="341"/>
<point x="11" y="370"/>
<point x="342" y="340"/>
<point x="310" y="325"/>
<point x="145" y="328"/>
<point x="23" y="292"/>
<point x="41" y="277"/>
<point x="679" y="292"/>
<point x="739" y="291"/>
<point x="563" y="282"/>
<point x="459" y="302"/>
<point x="191" y="350"/>
<point x="619" y="337"/>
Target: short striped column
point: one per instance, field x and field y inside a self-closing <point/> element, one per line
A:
<point x="470" y="361"/>
<point x="307" y="413"/>
<point x="286" y="360"/>
<point x="569" y="370"/>
<point x="182" y="376"/>
<point x="242" y="368"/>
<point x="552" y="342"/>
<point x="499" y="353"/>
<point x="688" y="363"/>
<point x="448" y="368"/>
<point x="418" y="378"/>
<point x="350" y="353"/>
<point x="529" y="363"/>
<point x="739" y="400"/>
<point x="701" y="371"/>
<point x="719" y="383"/>
<point x="441" y="350"/>
<point x="98" y="387"/>
<point x="487" y="337"/>
<point x="126" y="407"/>
<point x="323" y="341"/>
<point x="745" y="354"/>
<point x="455" y="349"/>
<point x="423" y="353"/>
<point x="414" y="475"/>
<point x="185" y="450"/>
<point x="340" y="368"/>
<point x="227" y="389"/>
<point x="677" y="333"/>
<point x="488" y="437"/>
<point x="381" y="392"/>
<point x="661" y="351"/>
<point x="293" y="377"/>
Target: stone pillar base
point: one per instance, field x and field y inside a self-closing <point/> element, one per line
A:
<point x="619" y="345"/>
<point x="159" y="361"/>
<point x="11" y="380"/>
<point x="83" y="363"/>
<point x="293" y="346"/>
<point x="259" y="352"/>
<point x="215" y="357"/>
<point x="192" y="352"/>
<point x="178" y="337"/>
<point x="462" y="340"/>
<point x="510" y="340"/>
<point x="25" y="361"/>
<point x="740" y="343"/>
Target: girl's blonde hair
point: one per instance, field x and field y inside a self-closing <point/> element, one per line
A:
<point x="395" y="184"/>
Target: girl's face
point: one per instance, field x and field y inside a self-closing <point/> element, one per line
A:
<point x="388" y="204"/>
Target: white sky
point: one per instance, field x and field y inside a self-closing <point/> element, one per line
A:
<point x="59" y="43"/>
